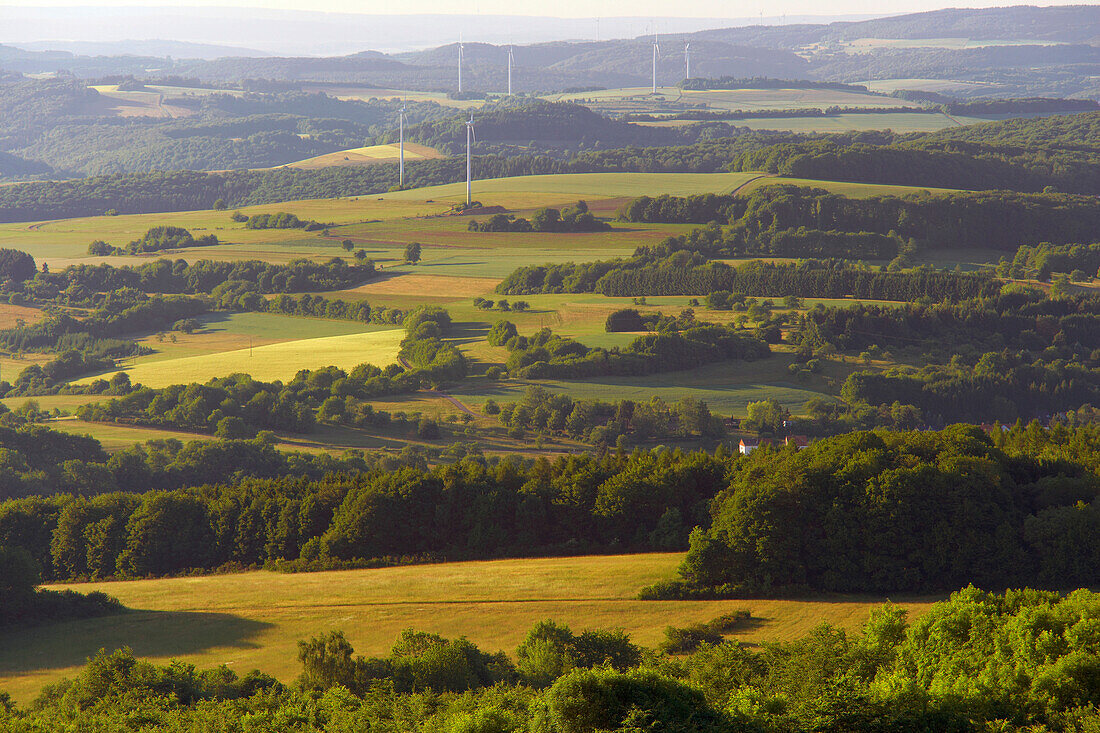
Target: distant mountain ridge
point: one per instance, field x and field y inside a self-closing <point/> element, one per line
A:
<point x="1026" y="51"/>
<point x="153" y="48"/>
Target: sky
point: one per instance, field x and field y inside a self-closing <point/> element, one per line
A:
<point x="569" y="8"/>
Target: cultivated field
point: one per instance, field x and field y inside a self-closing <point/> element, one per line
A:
<point x="668" y="99"/>
<point x="254" y="620"/>
<point x="267" y="363"/>
<point x="154" y="102"/>
<point x="896" y="121"/>
<point x="348" y="92"/>
<point x="370" y="155"/>
<point x="943" y="86"/>
<point x="866" y="45"/>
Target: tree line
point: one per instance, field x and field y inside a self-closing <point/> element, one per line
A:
<point x="472" y="508"/>
<point x="999" y="219"/>
<point x="605" y="424"/>
<point x="680" y="274"/>
<point x="544" y="355"/>
<point x="547" y="219"/>
<point x="155" y="239"/>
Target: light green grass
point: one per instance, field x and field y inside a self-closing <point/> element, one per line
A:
<point x="671" y="99"/>
<point x="944" y="86"/>
<point x="254" y="620"/>
<point x="896" y="121"/>
<point x="381" y="224"/>
<point x="274" y="361"/>
<point x="574" y="185"/>
<point x="846" y="188"/>
<point x="278" y="326"/>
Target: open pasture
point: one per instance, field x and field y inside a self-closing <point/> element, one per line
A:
<point x="254" y="620"/>
<point x="943" y="86"/>
<point x="867" y="45"/>
<point x="567" y="187"/>
<point x="222" y="332"/>
<point x="153" y="102"/>
<point x="270" y="362"/>
<point x="365" y="93"/>
<point x="370" y="155"/>
<point x="389" y="219"/>
<point x="671" y="99"/>
<point x="845" y="188"/>
<point x="845" y="122"/>
<point x="727" y="388"/>
<point x="14" y="315"/>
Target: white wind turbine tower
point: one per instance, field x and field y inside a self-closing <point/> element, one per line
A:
<point x="401" y="163"/>
<point x="656" y="53"/>
<point x="461" y="52"/>
<point x="687" y="60"/>
<point x="470" y="139"/>
<point x="511" y="60"/>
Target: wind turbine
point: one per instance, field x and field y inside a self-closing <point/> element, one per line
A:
<point x="471" y="138"/>
<point x="461" y="52"/>
<point x="511" y="60"/>
<point x="401" y="164"/>
<point x="687" y="60"/>
<point x="656" y="53"/>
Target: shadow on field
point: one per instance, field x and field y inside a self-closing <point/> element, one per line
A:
<point x="148" y="633"/>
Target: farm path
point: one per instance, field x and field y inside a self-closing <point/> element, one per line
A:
<point x="436" y="393"/>
<point x="738" y="190"/>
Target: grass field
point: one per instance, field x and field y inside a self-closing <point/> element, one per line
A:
<point x="896" y="121"/>
<point x="270" y="362"/>
<point x="866" y="45"/>
<point x="381" y="223"/>
<point x="154" y="103"/>
<point x="364" y="93"/>
<point x="254" y="620"/>
<point x="670" y="99"/>
<point x="943" y="86"/>
<point x="845" y="188"/>
<point x="370" y="155"/>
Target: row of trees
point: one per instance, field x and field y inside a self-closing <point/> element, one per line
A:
<point x="472" y="508"/>
<point x="157" y="239"/>
<point x="602" y="423"/>
<point x="84" y="285"/>
<point x="681" y="274"/>
<point x="546" y="356"/>
<point x="1020" y="155"/>
<point x="999" y="219"/>
<point x="572" y="219"/>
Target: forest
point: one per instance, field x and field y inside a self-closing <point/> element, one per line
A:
<point x="887" y="531"/>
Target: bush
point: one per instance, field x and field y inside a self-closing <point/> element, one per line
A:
<point x="604" y="699"/>
<point x="501" y="333"/>
<point x="627" y="319"/>
<point x="427" y="429"/>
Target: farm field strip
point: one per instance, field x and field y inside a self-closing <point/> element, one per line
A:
<point x="369" y="155"/>
<point x="845" y="122"/>
<point x="280" y="361"/>
<point x="254" y="620"/>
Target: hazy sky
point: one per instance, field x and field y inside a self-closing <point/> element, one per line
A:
<point x="572" y="8"/>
